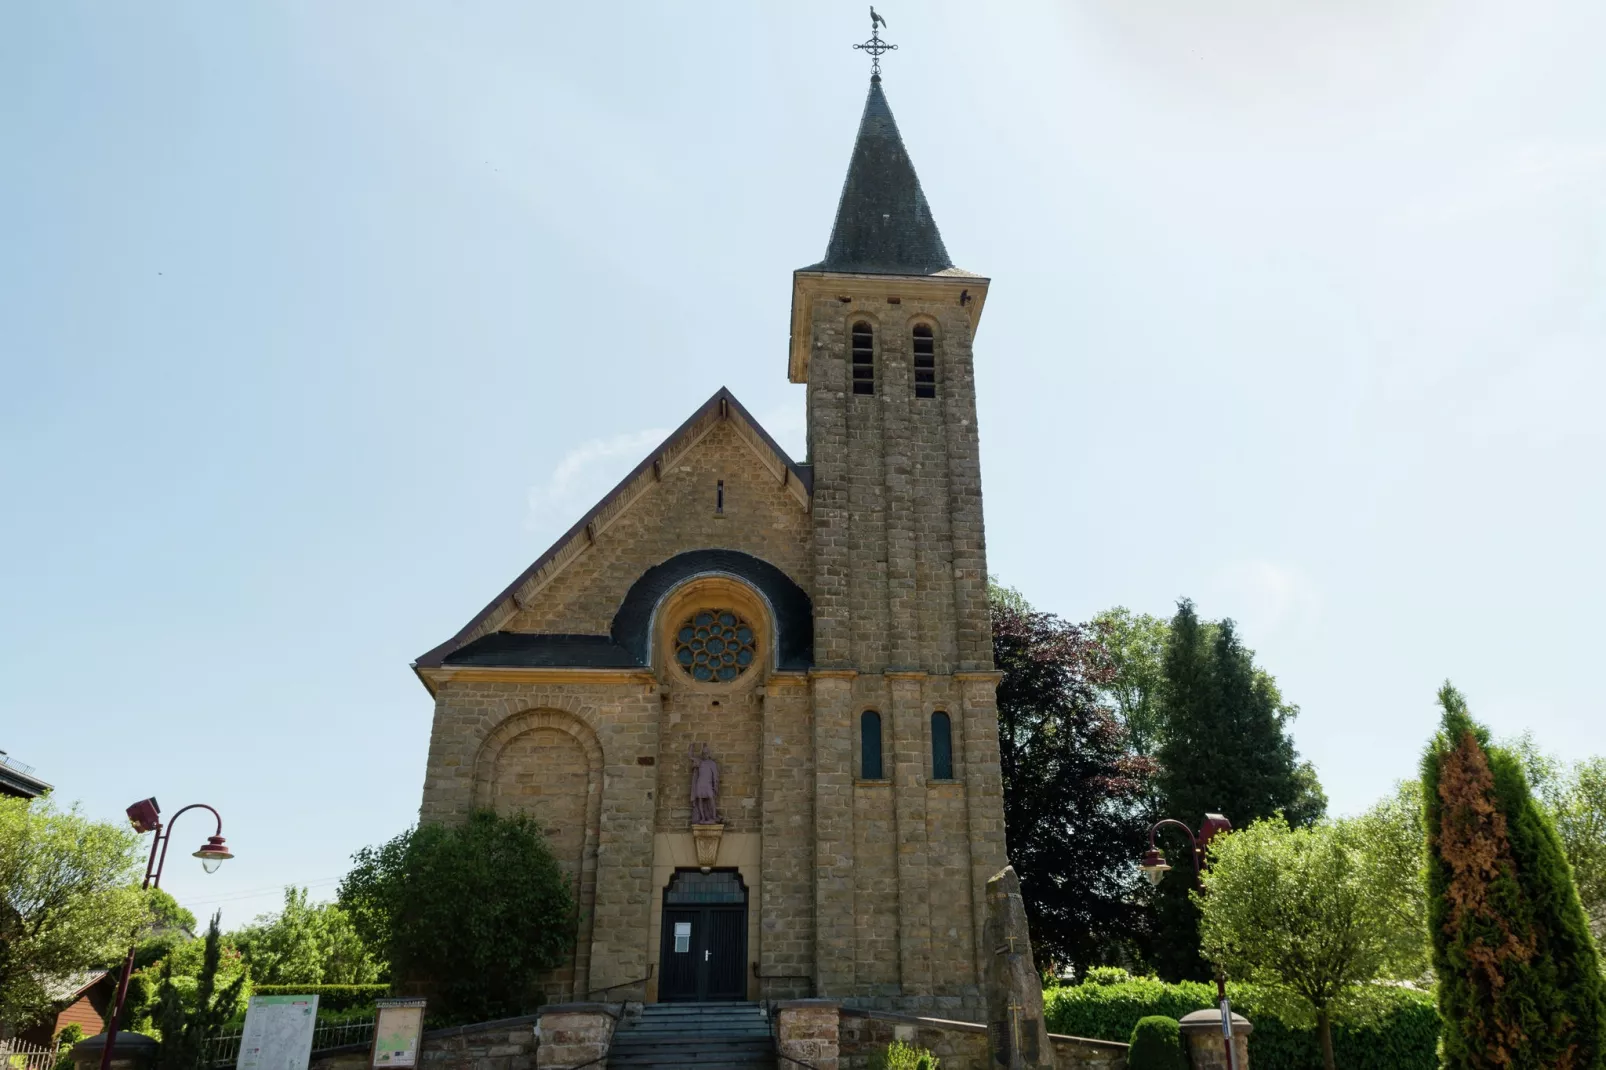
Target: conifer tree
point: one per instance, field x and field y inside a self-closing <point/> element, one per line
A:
<point x="1519" y="978"/>
<point x="1226" y="750"/>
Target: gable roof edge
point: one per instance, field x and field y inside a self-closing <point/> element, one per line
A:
<point x="571" y="543"/>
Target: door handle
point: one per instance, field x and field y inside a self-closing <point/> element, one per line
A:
<point x="706" y="954"/>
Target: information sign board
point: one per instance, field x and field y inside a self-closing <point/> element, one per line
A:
<point x="397" y="1032"/>
<point x="278" y="1033"/>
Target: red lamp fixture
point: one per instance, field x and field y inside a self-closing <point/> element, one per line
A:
<point x="213" y="853"/>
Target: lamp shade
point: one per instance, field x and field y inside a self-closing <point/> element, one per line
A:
<point x="213" y="853"/>
<point x="1154" y="866"/>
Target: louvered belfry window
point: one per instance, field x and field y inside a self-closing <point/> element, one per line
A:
<point x="925" y="362"/>
<point x="863" y="358"/>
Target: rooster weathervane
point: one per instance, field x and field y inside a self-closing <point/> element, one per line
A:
<point x="875" y="46"/>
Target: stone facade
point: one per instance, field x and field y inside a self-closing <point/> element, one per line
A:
<point x="867" y="889"/>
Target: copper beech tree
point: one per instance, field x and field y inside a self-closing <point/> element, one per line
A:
<point x="1519" y="980"/>
<point x="1073" y="789"/>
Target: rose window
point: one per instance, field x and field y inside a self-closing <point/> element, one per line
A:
<point x="714" y="645"/>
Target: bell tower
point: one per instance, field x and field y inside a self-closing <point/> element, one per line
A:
<point x="908" y="804"/>
<point x="881" y="334"/>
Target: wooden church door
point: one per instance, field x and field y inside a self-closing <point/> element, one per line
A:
<point x="704" y="948"/>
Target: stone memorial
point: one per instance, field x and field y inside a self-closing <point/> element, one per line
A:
<point x="1016" y="1034"/>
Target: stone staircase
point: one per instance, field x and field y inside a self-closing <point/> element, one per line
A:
<point x="709" y="1036"/>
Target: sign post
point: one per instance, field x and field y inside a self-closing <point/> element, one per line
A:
<point x="398" y="1030"/>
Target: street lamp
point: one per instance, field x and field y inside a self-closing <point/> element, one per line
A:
<point x="1155" y="867"/>
<point x="146" y="816"/>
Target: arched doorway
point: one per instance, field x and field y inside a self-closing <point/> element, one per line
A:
<point x="704" y="944"/>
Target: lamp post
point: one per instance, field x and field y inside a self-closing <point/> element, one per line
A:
<point x="1155" y="868"/>
<point x="146" y="816"/>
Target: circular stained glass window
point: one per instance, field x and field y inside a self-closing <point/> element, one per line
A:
<point x="714" y="646"/>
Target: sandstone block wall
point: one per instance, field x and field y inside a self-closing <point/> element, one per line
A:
<point x="761" y="517"/>
<point x="506" y="1044"/>
<point x="959" y="1045"/>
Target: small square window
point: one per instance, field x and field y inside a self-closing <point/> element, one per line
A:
<point x="682" y="937"/>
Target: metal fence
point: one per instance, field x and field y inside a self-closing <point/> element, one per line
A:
<point x="225" y="1051"/>
<point x="18" y="1054"/>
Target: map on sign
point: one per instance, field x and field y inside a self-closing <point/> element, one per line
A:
<point x="397" y="1031"/>
<point x="278" y="1033"/>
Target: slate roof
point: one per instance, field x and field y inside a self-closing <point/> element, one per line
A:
<point x="530" y="651"/>
<point x="883" y="224"/>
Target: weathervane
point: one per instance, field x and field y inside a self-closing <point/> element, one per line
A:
<point x="875" y="46"/>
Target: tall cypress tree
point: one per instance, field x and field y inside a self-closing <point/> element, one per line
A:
<point x="1519" y="979"/>
<point x="1226" y="750"/>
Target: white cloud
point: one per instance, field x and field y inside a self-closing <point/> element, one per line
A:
<point x="584" y="474"/>
<point x="1265" y="594"/>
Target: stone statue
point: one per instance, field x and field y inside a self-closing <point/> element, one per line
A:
<point x="1015" y="1029"/>
<point x="704" y="787"/>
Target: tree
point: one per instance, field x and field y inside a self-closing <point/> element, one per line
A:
<point x="187" y="1016"/>
<point x="474" y="912"/>
<point x="1574" y="795"/>
<point x="181" y="966"/>
<point x="1580" y="816"/>
<point x="1295" y="910"/>
<point x="1519" y="980"/>
<point x="1391" y="841"/>
<point x="302" y="944"/>
<point x="1226" y="750"/>
<point x="1136" y="645"/>
<point x="167" y="926"/>
<point x="1073" y="791"/>
<point x="68" y="901"/>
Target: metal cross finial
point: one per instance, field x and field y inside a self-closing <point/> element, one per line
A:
<point x="875" y="46"/>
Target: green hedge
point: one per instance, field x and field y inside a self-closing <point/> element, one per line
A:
<point x="330" y="997"/>
<point x="1404" y="1037"/>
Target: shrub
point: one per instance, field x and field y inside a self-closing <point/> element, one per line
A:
<point x="473" y="914"/>
<point x="1399" y="1032"/>
<point x="69" y="1035"/>
<point x="188" y="1018"/>
<point x="1156" y="1045"/>
<point x="330" y="997"/>
<point x="901" y="1056"/>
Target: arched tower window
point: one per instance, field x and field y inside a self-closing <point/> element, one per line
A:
<point x="925" y="352"/>
<point x="863" y="358"/>
<point x="942" y="747"/>
<point x="870" y="745"/>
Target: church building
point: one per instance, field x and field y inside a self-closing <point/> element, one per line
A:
<point x="805" y="646"/>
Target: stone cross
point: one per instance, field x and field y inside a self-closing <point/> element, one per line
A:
<point x="1015" y="1029"/>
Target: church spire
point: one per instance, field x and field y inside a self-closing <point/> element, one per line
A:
<point x="883" y="224"/>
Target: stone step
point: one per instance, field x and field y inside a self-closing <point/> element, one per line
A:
<point x="709" y="1036"/>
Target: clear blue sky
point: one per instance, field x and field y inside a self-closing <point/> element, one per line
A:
<point x="320" y="321"/>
